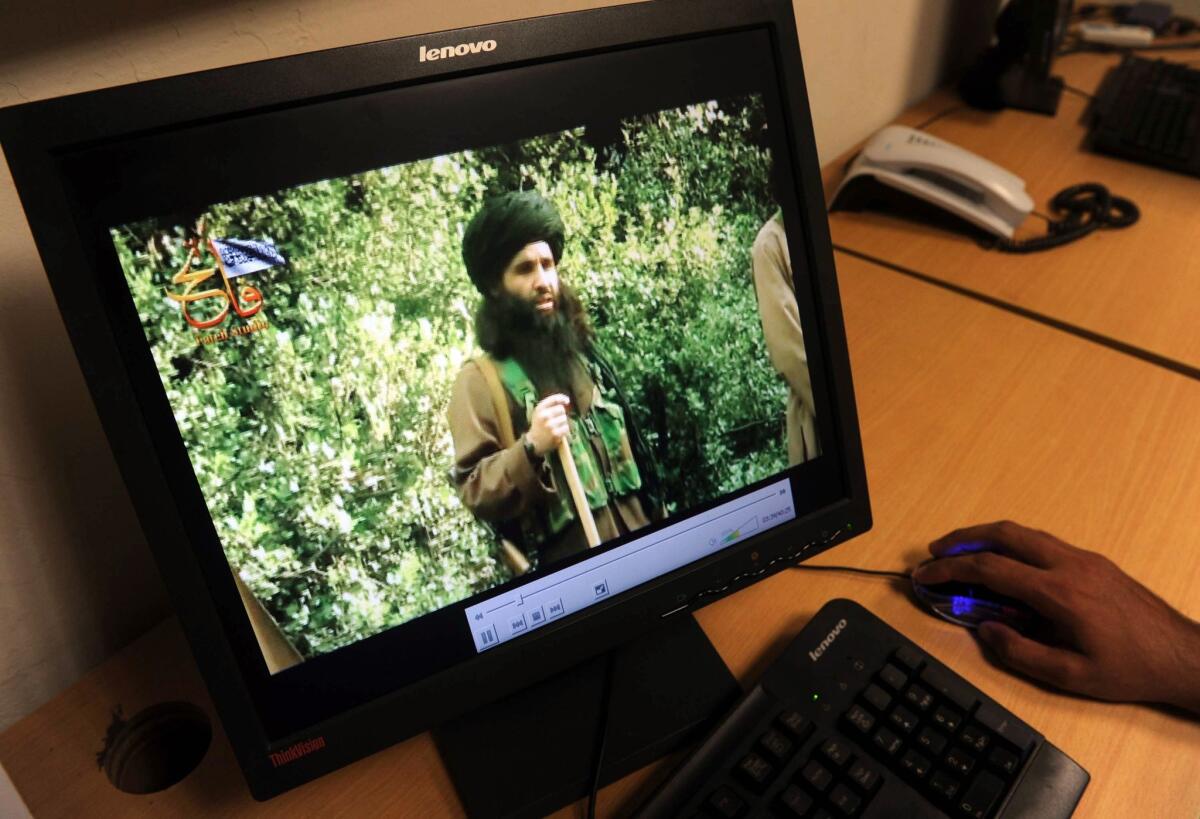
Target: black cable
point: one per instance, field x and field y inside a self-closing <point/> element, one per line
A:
<point x="1082" y="209"/>
<point x="603" y="739"/>
<point x="1104" y="48"/>
<point x="1186" y="46"/>
<point x="1078" y="92"/>
<point x="937" y="116"/>
<point x="1090" y="10"/>
<point x="878" y="572"/>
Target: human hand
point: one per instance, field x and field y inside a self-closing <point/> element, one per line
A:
<point x="549" y="424"/>
<point x="1108" y="635"/>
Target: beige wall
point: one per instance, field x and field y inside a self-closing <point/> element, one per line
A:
<point x="11" y="806"/>
<point x="76" y="578"/>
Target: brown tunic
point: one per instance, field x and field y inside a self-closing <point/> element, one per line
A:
<point x="500" y="485"/>
<point x="785" y="340"/>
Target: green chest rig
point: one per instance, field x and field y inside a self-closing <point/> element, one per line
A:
<point x="603" y="428"/>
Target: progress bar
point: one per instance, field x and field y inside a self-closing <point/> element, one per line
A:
<point x="499" y="619"/>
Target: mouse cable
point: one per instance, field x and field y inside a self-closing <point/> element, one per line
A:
<point x="1081" y="209"/>
<point x="878" y="572"/>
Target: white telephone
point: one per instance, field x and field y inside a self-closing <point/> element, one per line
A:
<point x="917" y="164"/>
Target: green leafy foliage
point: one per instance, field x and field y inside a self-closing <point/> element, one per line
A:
<point x="320" y="442"/>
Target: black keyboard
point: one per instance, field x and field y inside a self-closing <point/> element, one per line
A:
<point x="854" y="720"/>
<point x="1149" y="111"/>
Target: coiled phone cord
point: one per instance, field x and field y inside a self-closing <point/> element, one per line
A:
<point x="1083" y="208"/>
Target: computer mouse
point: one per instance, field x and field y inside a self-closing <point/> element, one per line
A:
<point x="969" y="605"/>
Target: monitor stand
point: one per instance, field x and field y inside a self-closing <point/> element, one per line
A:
<point x="1028" y="91"/>
<point x="533" y="752"/>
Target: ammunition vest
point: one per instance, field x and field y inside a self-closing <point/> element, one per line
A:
<point x="605" y="424"/>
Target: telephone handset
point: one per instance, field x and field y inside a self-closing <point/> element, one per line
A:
<point x="940" y="173"/>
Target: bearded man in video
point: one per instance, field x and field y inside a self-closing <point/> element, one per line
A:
<point x="545" y="445"/>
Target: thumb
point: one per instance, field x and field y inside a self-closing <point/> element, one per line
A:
<point x="1059" y="667"/>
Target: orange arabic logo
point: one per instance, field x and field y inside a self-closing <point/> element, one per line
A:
<point x="246" y="303"/>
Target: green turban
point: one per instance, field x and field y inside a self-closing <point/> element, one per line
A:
<point x="503" y="226"/>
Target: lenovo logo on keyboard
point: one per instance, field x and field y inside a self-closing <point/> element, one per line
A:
<point x="828" y="641"/>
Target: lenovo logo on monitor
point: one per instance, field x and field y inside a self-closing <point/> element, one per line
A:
<point x="460" y="50"/>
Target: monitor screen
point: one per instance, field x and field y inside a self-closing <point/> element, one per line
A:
<point x="321" y="348"/>
<point x="454" y="359"/>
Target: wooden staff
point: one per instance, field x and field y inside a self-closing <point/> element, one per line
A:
<point x="581" y="505"/>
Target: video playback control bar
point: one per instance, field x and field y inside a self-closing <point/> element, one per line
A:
<point x="516" y="612"/>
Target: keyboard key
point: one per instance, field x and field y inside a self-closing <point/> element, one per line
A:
<point x="951" y="687"/>
<point x="932" y="740"/>
<point x="837" y="751"/>
<point x="903" y="719"/>
<point x="860" y="718"/>
<point x="894" y="677"/>
<point x="864" y="777"/>
<point x="999" y="721"/>
<point x="975" y="738"/>
<point x="959" y="762"/>
<point x="915" y="764"/>
<point x="725" y="803"/>
<point x="887" y="742"/>
<point x="796" y="724"/>
<point x="944" y="785"/>
<point x="776" y="744"/>
<point x="822" y="813"/>
<point x="918" y="697"/>
<point x="845" y="801"/>
<point x="877" y="698"/>
<point x="1004" y="761"/>
<point x="981" y="795"/>
<point x="755" y="772"/>
<point x="909" y="658"/>
<point x="947" y="718"/>
<point x="795" y="801"/>
<point x="815" y="774"/>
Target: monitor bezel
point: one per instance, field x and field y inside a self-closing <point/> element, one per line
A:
<point x="37" y="136"/>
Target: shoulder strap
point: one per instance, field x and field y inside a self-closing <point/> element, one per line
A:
<point x="512" y="556"/>
<point x="499" y="400"/>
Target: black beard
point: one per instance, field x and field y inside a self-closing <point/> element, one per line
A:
<point x="549" y="347"/>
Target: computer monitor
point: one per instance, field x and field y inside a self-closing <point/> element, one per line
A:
<point x="281" y="279"/>
<point x="1015" y="71"/>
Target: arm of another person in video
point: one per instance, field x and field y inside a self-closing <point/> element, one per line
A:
<point x="1114" y="638"/>
<point x="781" y="318"/>
<point x="496" y="483"/>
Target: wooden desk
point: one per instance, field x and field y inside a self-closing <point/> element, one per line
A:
<point x="1140" y="285"/>
<point x="1007" y="419"/>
